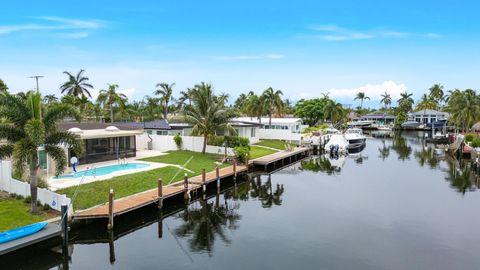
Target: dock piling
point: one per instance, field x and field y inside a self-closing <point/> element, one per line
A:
<point x="234" y="169"/>
<point x="160" y="193"/>
<point x="111" y="199"/>
<point x="217" y="174"/>
<point x="185" y="186"/>
<point x="64" y="219"/>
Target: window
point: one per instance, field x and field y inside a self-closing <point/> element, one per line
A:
<point x="149" y="132"/>
<point x="252" y="132"/>
<point x="162" y="132"/>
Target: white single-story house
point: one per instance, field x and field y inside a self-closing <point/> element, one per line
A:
<point x="429" y="116"/>
<point x="379" y="118"/>
<point x="288" y="128"/>
<point x="102" y="142"/>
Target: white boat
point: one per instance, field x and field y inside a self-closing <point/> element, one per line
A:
<point x="384" y="128"/>
<point x="355" y="138"/>
<point x="337" y="140"/>
<point x="360" y="123"/>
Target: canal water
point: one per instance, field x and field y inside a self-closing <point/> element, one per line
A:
<point x="398" y="204"/>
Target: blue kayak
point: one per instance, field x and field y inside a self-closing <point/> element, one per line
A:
<point x="20" y="232"/>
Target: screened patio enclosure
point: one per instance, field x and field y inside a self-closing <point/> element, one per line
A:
<point x="104" y="149"/>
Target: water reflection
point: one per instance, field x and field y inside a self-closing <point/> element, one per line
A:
<point x="203" y="225"/>
<point x="461" y="176"/>
<point x="324" y="163"/>
<point x="265" y="193"/>
<point x="401" y="147"/>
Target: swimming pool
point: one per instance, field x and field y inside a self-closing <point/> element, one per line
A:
<point x="99" y="171"/>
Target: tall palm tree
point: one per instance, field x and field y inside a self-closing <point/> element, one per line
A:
<point x="406" y="101"/>
<point x="255" y="107"/>
<point x="165" y="91"/>
<point x="436" y="94"/>
<point x="27" y="128"/>
<point x="110" y="98"/>
<point x="464" y="107"/>
<point x="426" y="103"/>
<point x="386" y="100"/>
<point x="208" y="113"/>
<point x="77" y="85"/>
<point x="361" y="96"/>
<point x="334" y="111"/>
<point x="50" y="99"/>
<point x="273" y="102"/>
<point x="3" y="86"/>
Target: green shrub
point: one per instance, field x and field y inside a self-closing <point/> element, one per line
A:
<point x="241" y="152"/>
<point x="315" y="128"/>
<point x="178" y="140"/>
<point x="236" y="141"/>
<point x="476" y="142"/>
<point x="216" y="140"/>
<point x="469" y="137"/>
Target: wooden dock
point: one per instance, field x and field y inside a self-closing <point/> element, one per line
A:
<point x="130" y="203"/>
<point x="280" y="156"/>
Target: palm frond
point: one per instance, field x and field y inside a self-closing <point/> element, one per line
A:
<point x="57" y="154"/>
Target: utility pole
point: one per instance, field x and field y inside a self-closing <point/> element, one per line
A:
<point x="36" y="77"/>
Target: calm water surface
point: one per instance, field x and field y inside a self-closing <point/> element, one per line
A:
<point x="395" y="205"/>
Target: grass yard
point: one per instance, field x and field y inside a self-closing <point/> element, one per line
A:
<point x="200" y="161"/>
<point x="16" y="213"/>
<point x="256" y="152"/>
<point x="277" y="144"/>
<point x="95" y="193"/>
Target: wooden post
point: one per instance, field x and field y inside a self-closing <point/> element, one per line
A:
<point x="234" y="169"/>
<point x="64" y="224"/>
<point x="246" y="161"/>
<point x="217" y="173"/>
<point x="160" y="193"/>
<point x="185" y="186"/>
<point x="111" y="197"/>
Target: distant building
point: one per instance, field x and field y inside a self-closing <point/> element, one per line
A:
<point x="379" y="118"/>
<point x="429" y="116"/>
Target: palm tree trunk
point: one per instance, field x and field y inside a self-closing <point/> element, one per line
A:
<point x="165" y="111"/>
<point x="270" y="120"/>
<point x="33" y="184"/>
<point x="204" y="143"/>
<point x="111" y="114"/>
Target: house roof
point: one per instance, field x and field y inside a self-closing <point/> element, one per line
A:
<point x="160" y="124"/>
<point x="245" y="124"/>
<point x="429" y="112"/>
<point x="378" y="115"/>
<point x="177" y="126"/>
<point x="275" y="120"/>
<point x="94" y="125"/>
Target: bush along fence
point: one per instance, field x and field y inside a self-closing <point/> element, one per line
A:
<point x="13" y="186"/>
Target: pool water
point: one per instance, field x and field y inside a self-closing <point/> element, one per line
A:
<point x="99" y="171"/>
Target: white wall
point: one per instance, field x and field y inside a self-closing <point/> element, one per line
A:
<point x="10" y="185"/>
<point x="279" y="134"/>
<point x="166" y="143"/>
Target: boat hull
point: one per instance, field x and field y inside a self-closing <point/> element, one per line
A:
<point x="20" y="232"/>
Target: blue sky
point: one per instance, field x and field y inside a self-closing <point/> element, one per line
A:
<point x="304" y="48"/>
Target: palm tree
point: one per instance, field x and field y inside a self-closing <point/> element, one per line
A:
<point x="50" y="99"/>
<point x="165" y="91"/>
<point x="436" y="94"/>
<point x="426" y="103"/>
<point x="464" y="107"/>
<point x="208" y="113"/>
<point x="3" y="86"/>
<point x="110" y="98"/>
<point x="27" y="128"/>
<point x="255" y="107"/>
<point x="361" y="96"/>
<point x="386" y="100"/>
<point x="406" y="101"/>
<point x="334" y="111"/>
<point x="273" y="102"/>
<point x="77" y="85"/>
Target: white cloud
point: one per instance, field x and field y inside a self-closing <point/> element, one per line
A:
<point x="337" y="33"/>
<point x="76" y="35"/>
<point x="373" y="91"/>
<point x="250" y="57"/>
<point x="53" y="23"/>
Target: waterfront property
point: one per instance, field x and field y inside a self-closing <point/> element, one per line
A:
<point x="103" y="141"/>
<point x="429" y="116"/>
<point x="378" y="118"/>
<point x="288" y="128"/>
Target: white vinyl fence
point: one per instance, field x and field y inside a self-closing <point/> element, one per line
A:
<point x="166" y="143"/>
<point x="13" y="186"/>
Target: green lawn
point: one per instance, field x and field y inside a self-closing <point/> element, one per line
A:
<point x="277" y="144"/>
<point x="256" y="152"/>
<point x="95" y="193"/>
<point x="15" y="213"/>
<point x="200" y="161"/>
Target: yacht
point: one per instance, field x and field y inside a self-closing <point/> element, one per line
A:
<point x="355" y="138"/>
<point x="336" y="143"/>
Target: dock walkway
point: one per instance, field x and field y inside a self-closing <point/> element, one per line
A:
<point x="278" y="156"/>
<point x="138" y="200"/>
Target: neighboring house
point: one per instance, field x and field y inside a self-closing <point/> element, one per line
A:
<point x="102" y="142"/>
<point x="279" y="129"/>
<point x="429" y="116"/>
<point x="379" y="118"/>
